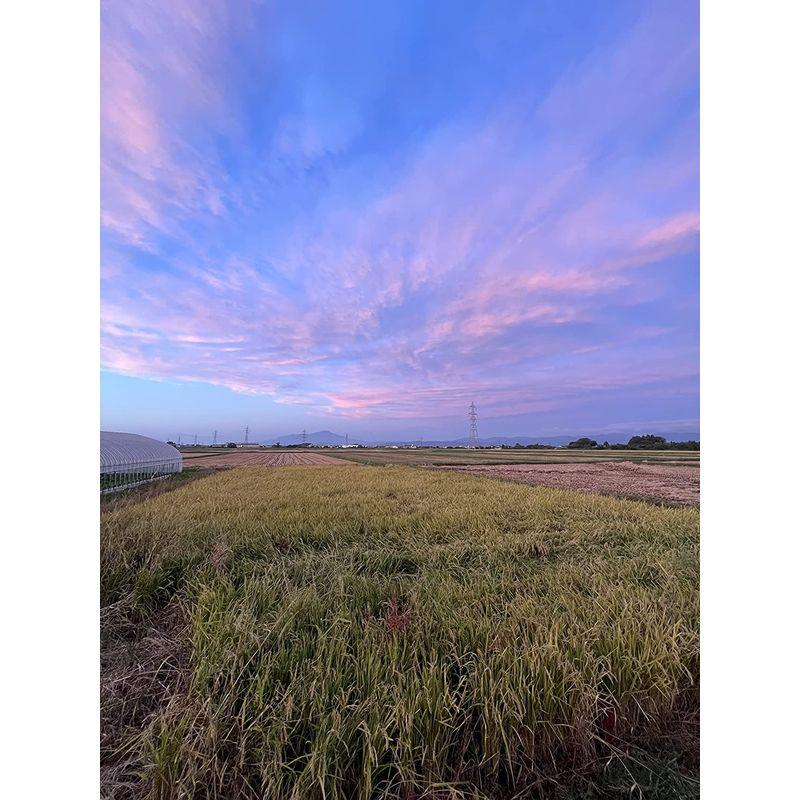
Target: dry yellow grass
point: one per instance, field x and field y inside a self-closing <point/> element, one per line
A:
<point x="359" y="632"/>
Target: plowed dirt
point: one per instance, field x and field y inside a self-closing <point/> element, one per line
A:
<point x="256" y="459"/>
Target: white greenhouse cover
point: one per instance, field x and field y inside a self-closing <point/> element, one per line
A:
<point x="121" y="450"/>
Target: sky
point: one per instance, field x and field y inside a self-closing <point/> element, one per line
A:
<point x="362" y="216"/>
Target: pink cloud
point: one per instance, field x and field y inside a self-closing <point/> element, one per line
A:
<point x="129" y="120"/>
<point x="151" y="176"/>
<point x="673" y="234"/>
<point x="403" y="298"/>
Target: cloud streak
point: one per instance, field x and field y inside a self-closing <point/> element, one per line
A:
<point x="269" y="230"/>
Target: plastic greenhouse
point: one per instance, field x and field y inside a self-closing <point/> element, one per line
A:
<point x="127" y="459"/>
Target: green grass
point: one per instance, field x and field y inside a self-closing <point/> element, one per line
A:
<point x="360" y="632"/>
<point x="122" y="480"/>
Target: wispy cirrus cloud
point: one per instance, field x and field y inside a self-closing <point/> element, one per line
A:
<point x="267" y="231"/>
<point x="162" y="94"/>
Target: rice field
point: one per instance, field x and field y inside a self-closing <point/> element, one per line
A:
<point x="350" y="631"/>
<point x="433" y="456"/>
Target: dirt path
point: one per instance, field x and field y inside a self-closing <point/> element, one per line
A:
<point x="256" y="459"/>
<point x="673" y="485"/>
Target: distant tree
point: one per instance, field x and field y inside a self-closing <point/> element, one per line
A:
<point x="648" y="442"/>
<point x="584" y="443"/>
<point x="692" y="444"/>
<point x="172" y="444"/>
<point x="231" y="444"/>
<point x="517" y="445"/>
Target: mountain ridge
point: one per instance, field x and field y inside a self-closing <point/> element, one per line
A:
<point x="330" y="438"/>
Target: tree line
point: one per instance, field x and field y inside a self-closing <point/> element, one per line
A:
<point x="647" y="442"/>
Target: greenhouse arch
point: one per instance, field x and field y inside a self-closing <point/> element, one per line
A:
<point x="128" y="459"/>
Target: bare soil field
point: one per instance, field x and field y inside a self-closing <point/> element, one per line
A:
<point x="675" y="485"/>
<point x="257" y="459"/>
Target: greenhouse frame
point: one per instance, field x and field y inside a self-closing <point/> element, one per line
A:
<point x="128" y="459"/>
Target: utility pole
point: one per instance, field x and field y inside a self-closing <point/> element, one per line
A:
<point x="179" y="439"/>
<point x="195" y="440"/>
<point x="304" y="435"/>
<point x="215" y="438"/>
<point x="246" y="433"/>
<point x="472" y="415"/>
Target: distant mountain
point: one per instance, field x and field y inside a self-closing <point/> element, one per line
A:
<point x="553" y="441"/>
<point x="489" y="441"/>
<point x="334" y="439"/>
<point x="317" y="437"/>
<point x="495" y="441"/>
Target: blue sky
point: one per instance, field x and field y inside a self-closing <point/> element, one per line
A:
<point x="362" y="216"/>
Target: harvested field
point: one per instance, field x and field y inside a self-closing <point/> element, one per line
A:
<point x="256" y="459"/>
<point x="668" y="484"/>
<point x="431" y="456"/>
